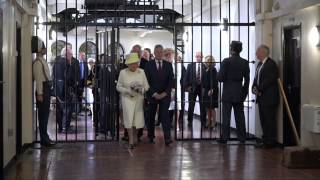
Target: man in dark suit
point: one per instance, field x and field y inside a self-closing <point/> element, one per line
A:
<point x="160" y="77"/>
<point x="84" y="72"/>
<point x="233" y="71"/>
<point x="66" y="75"/>
<point x="192" y="82"/>
<point x="265" y="87"/>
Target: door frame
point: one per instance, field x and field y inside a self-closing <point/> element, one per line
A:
<point x="18" y="91"/>
<point x="1" y="94"/>
<point x="284" y="29"/>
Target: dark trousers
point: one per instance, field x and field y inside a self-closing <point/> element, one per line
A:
<point x="192" y="101"/>
<point x="59" y="84"/>
<point x="43" y="113"/>
<point x="239" y="119"/>
<point x="96" y="109"/>
<point x="268" y="124"/>
<point x="68" y="108"/>
<point x="164" y="115"/>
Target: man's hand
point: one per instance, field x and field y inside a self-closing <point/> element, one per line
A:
<point x="160" y="96"/>
<point x="256" y="91"/>
<point x="210" y="92"/>
<point x="39" y="98"/>
<point x="163" y="95"/>
<point x="189" y="88"/>
<point x="157" y="96"/>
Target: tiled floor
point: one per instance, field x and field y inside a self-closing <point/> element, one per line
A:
<point x="183" y="160"/>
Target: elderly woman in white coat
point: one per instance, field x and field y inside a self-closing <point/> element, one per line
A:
<point x="132" y="84"/>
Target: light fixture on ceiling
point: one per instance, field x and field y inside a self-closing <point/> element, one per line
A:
<point x="145" y="33"/>
<point x="186" y="36"/>
<point x="52" y="34"/>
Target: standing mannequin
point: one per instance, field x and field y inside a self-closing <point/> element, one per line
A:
<point x="234" y="74"/>
<point x="42" y="79"/>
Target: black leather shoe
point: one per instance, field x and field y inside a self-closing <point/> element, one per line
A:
<point x="131" y="146"/>
<point x="151" y="141"/>
<point x="259" y="145"/>
<point x="125" y="138"/>
<point x="69" y="131"/>
<point x="222" y="141"/>
<point x="52" y="142"/>
<point x="47" y="144"/>
<point x="168" y="142"/>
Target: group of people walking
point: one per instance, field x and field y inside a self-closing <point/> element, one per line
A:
<point x="147" y="86"/>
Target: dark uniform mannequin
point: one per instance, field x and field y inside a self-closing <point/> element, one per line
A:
<point x="233" y="71"/>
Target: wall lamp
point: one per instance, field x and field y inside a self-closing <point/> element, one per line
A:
<point x="318" y="27"/>
<point x="224" y="24"/>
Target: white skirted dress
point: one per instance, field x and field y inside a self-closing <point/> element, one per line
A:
<point x="132" y="101"/>
<point x="177" y="76"/>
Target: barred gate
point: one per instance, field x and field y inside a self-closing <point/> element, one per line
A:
<point x="95" y="27"/>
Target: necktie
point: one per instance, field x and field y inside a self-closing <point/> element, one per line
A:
<point x="258" y="72"/>
<point x="159" y="65"/>
<point x="81" y="71"/>
<point x="199" y="74"/>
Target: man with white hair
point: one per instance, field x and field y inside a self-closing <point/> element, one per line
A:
<point x="84" y="71"/>
<point x="66" y="76"/>
<point x="265" y="88"/>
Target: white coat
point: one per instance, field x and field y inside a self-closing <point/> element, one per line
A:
<point x="132" y="101"/>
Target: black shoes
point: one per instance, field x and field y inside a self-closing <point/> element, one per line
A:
<point x="265" y="146"/>
<point x="131" y="146"/>
<point x="49" y="143"/>
<point x="168" y="142"/>
<point x="125" y="138"/>
<point x="151" y="141"/>
<point x="222" y="141"/>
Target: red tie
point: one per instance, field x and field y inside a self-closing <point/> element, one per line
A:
<point x="159" y="65"/>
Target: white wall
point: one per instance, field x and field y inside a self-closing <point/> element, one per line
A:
<point x="295" y="12"/>
<point x="11" y="16"/>
<point x="310" y="58"/>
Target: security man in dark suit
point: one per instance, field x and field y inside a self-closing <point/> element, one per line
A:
<point x="159" y="74"/>
<point x="266" y="89"/>
<point x="233" y="71"/>
<point x="192" y="82"/>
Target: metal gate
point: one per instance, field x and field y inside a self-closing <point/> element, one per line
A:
<point x="94" y="27"/>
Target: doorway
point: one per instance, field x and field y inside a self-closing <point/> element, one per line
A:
<point x="18" y="92"/>
<point x="292" y="81"/>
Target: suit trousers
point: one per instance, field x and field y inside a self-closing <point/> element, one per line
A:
<point x="239" y="119"/>
<point x="192" y="101"/>
<point x="268" y="124"/>
<point x="43" y="113"/>
<point x="164" y="115"/>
